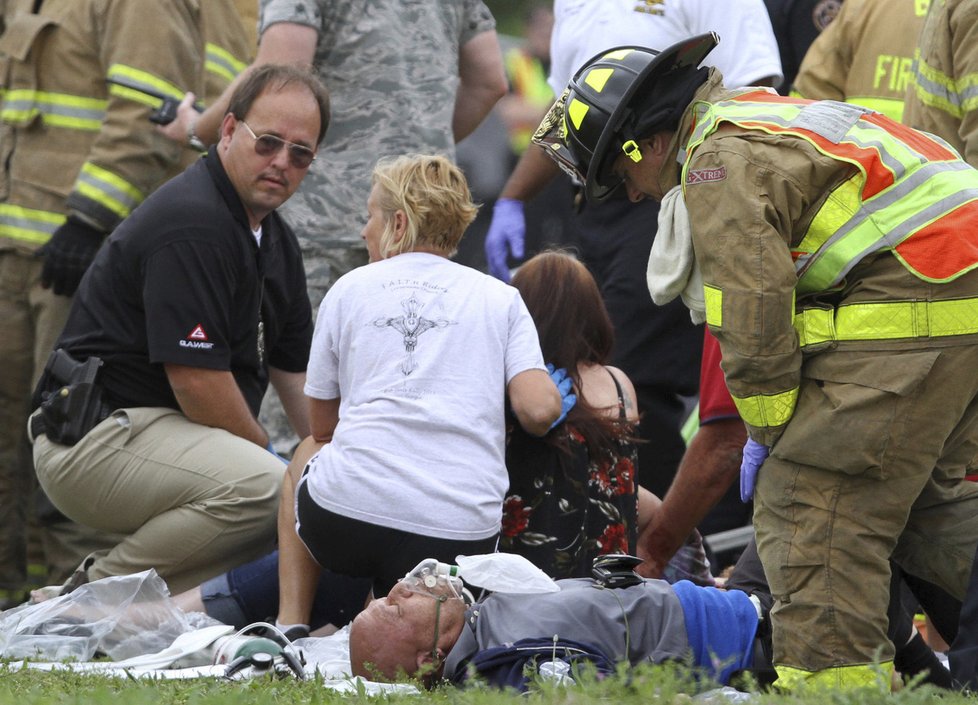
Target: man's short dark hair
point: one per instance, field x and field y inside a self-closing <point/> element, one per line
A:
<point x="276" y="77"/>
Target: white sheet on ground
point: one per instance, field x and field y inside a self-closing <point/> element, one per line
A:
<point x="133" y="620"/>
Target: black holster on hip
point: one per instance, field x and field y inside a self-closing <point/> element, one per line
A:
<point x="70" y="399"/>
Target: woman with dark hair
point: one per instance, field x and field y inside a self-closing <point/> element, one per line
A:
<point x="574" y="494"/>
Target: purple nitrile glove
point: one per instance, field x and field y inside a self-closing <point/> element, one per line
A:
<point x="564" y="385"/>
<point x="505" y="236"/>
<point x="754" y="456"/>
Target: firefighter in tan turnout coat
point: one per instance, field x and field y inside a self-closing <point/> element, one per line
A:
<point x="837" y="250"/>
<point x="78" y="154"/>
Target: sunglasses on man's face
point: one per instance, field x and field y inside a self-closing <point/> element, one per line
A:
<point x="268" y="145"/>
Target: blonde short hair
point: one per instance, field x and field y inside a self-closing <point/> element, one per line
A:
<point x="434" y="196"/>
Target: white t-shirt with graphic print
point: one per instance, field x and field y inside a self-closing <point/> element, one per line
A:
<point x="419" y="350"/>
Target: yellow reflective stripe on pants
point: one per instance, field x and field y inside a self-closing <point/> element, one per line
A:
<point x="836" y="678"/>
<point x="767" y="410"/>
<point x="887" y="321"/>
<point x="28" y="224"/>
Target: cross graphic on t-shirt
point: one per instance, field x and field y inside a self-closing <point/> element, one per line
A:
<point x="411" y="325"/>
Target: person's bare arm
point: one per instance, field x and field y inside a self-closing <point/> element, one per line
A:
<point x="530" y="176"/>
<point x="324" y="415"/>
<point x="212" y="398"/>
<point x="298" y="572"/>
<point x="534" y="400"/>
<point x="648" y="506"/>
<point x="482" y="82"/>
<point x="282" y="43"/>
<point x="295" y="403"/>
<point x="710" y="465"/>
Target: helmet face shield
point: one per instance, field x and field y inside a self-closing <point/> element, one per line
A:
<point x="552" y="136"/>
<point x="594" y="119"/>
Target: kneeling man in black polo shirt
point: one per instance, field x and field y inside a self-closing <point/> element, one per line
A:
<point x="193" y="305"/>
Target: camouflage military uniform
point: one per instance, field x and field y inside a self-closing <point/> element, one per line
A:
<point x="391" y="67"/>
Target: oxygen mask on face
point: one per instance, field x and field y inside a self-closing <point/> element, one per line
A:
<point x="437" y="579"/>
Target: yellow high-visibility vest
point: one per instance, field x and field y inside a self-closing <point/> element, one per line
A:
<point x="911" y="195"/>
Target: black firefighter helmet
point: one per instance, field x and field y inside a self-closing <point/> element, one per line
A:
<point x="618" y="96"/>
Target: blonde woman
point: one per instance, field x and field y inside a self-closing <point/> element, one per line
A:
<point x="413" y="360"/>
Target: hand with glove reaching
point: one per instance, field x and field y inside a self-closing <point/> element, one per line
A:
<point x="754" y="456"/>
<point x="505" y="236"/>
<point x="67" y="255"/>
<point x="564" y="385"/>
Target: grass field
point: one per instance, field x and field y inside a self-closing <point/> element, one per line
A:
<point x="646" y="686"/>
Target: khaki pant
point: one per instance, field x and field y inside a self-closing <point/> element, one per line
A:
<point x="871" y="464"/>
<point x="194" y="501"/>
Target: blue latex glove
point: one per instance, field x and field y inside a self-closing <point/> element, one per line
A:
<point x="505" y="236"/>
<point x="564" y="385"/>
<point x="754" y="456"/>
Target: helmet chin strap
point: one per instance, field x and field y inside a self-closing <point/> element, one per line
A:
<point x="632" y="150"/>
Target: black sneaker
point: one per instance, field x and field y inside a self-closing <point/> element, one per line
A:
<point x="78" y="578"/>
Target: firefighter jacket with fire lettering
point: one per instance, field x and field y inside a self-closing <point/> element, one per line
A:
<point x="865" y="56"/>
<point x="76" y="133"/>
<point x="821" y="228"/>
<point x="944" y="97"/>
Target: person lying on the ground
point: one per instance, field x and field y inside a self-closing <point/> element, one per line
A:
<point x="435" y="635"/>
<point x="717" y="631"/>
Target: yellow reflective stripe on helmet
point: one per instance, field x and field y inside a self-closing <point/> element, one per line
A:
<point x="129" y="82"/>
<point x="618" y="54"/>
<point x="74" y="112"/>
<point x="713" y="300"/>
<point x="597" y="78"/>
<point x="576" y="110"/>
<point x="836" y="677"/>
<point x="888" y="321"/>
<point x="221" y="62"/>
<point x="108" y="189"/>
<point x="28" y="224"/>
<point x="767" y="410"/>
<point x="938" y="90"/>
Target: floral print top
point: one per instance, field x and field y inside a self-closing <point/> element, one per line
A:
<point x="562" y="510"/>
